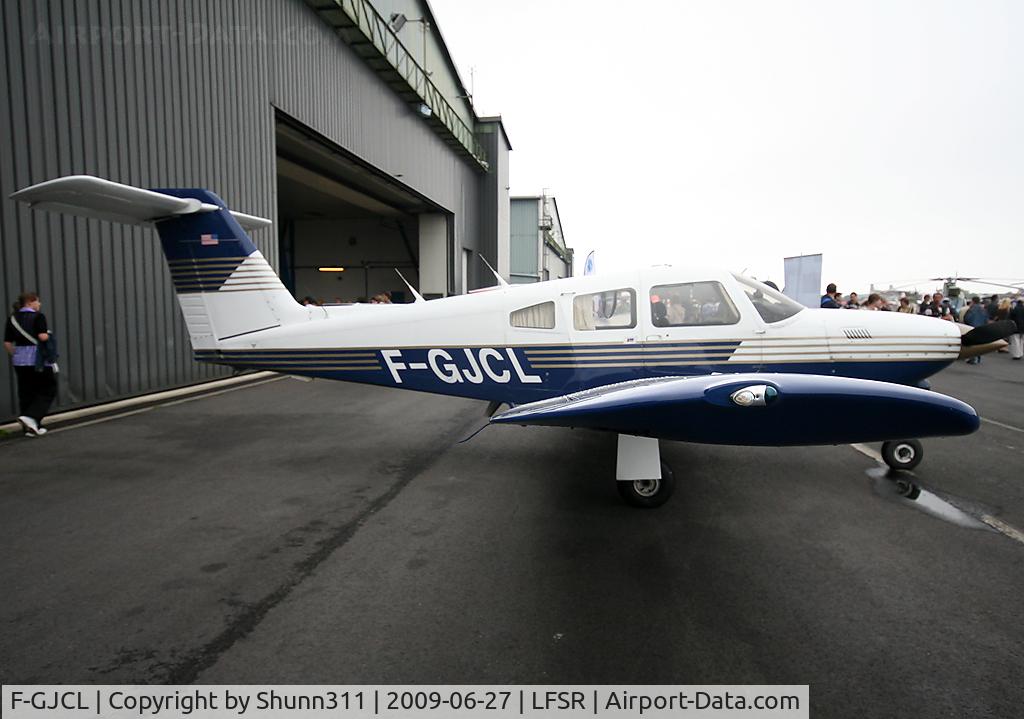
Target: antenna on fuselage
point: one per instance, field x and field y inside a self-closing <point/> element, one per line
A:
<point x="417" y="295"/>
<point x="499" y="278"/>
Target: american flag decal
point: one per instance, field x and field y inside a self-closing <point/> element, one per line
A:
<point x="208" y="240"/>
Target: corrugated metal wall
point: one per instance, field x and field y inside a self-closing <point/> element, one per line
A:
<point x="524" y="237"/>
<point x="491" y="195"/>
<point x="172" y="93"/>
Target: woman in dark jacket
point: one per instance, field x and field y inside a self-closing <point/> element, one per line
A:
<point x="25" y="330"/>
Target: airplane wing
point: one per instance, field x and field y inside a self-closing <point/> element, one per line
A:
<point x="101" y="199"/>
<point x="755" y="409"/>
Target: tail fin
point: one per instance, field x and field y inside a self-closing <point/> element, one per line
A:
<point x="225" y="286"/>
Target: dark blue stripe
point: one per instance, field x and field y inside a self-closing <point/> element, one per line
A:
<point x="559" y="381"/>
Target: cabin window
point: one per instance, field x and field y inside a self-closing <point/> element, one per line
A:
<point x="608" y="310"/>
<point x="772" y="305"/>
<point x="692" y="304"/>
<point x="538" y="317"/>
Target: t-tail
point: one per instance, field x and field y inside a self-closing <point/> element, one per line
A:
<point x="225" y="286"/>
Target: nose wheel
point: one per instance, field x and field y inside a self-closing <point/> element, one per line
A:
<point x="902" y="454"/>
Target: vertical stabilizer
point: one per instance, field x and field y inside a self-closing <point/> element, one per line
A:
<point x="225" y="287"/>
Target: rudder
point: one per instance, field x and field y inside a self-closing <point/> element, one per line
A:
<point x="225" y="286"/>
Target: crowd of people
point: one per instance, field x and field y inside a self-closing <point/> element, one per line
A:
<point x="834" y="300"/>
<point x="976" y="313"/>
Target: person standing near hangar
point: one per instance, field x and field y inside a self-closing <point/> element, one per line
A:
<point x="28" y="342"/>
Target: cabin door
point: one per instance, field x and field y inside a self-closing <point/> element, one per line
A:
<point x="692" y="328"/>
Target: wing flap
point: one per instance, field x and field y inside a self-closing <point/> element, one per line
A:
<point x="799" y="410"/>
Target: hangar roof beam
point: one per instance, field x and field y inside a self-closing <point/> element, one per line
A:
<point x="367" y="32"/>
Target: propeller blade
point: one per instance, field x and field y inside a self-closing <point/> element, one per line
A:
<point x="992" y="332"/>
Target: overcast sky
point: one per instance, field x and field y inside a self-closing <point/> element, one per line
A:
<point x="885" y="135"/>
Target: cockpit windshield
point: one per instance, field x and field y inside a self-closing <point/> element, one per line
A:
<point x="772" y="305"/>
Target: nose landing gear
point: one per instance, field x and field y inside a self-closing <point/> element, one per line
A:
<point x="902" y="454"/>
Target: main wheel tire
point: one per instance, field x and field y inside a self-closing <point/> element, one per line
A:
<point x="648" y="493"/>
<point x="902" y="454"/>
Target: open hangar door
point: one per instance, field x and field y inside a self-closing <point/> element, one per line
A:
<point x="345" y="227"/>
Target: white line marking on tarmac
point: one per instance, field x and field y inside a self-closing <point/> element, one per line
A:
<point x="221" y="391"/>
<point x="1000" y="424"/>
<point x="868" y="452"/>
<point x="997" y="524"/>
<point x="193" y="398"/>
<point x="1003" y="528"/>
<point x="55" y="430"/>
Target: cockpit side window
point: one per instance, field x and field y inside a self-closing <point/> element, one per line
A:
<point x="608" y="310"/>
<point x="539" y="317"/>
<point x="692" y="304"/>
<point x="772" y="305"/>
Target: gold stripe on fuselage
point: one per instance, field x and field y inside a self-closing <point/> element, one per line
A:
<point x="282" y="363"/>
<point x="317" y="351"/>
<point x="221" y="272"/>
<point x="206" y="260"/>
<point x="641" y="365"/>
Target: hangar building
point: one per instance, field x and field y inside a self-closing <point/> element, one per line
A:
<point x="538" y="252"/>
<point x="343" y="121"/>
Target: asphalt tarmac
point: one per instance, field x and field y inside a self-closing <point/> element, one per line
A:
<point x="294" y="532"/>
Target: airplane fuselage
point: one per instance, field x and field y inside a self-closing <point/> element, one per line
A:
<point x="525" y="343"/>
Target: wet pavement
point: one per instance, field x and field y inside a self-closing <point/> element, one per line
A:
<point x="322" y="532"/>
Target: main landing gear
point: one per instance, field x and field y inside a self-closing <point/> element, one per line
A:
<point x="903" y="453"/>
<point x="643" y="479"/>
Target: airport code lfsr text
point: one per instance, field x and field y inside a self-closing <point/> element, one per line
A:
<point x="394" y="702"/>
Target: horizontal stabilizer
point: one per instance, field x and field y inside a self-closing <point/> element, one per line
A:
<point x="88" y="196"/>
<point x="755" y="409"/>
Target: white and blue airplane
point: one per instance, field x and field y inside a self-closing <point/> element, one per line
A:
<point x="687" y="354"/>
